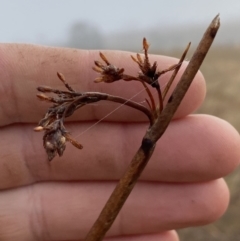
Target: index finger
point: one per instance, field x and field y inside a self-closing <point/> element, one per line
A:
<point x="24" y="67"/>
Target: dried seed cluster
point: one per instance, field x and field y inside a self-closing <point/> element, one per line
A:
<point x="67" y="102"/>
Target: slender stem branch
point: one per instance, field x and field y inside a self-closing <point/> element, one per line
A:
<point x="153" y="105"/>
<point x="165" y="91"/>
<point x="97" y="96"/>
<point x="127" y="182"/>
<point x="160" y="99"/>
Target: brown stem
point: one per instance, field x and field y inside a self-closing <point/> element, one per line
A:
<point x="86" y="98"/>
<point x="127" y="182"/>
<point x="160" y="99"/>
<point x="120" y="194"/>
<point x="175" y="99"/>
<point x="165" y="91"/>
<point x="153" y="105"/>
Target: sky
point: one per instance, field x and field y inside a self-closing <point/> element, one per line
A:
<point x="48" y="21"/>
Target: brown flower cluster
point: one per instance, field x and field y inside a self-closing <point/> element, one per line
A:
<point x="109" y="73"/>
<point x="56" y="135"/>
<point x="148" y="72"/>
<point x="67" y="102"/>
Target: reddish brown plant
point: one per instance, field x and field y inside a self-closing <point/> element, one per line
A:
<point x="67" y="102"/>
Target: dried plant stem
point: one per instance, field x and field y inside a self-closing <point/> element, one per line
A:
<point x="155" y="131"/>
<point x="174" y="101"/>
<point x="153" y="105"/>
<point x="166" y="89"/>
<point x="97" y="96"/>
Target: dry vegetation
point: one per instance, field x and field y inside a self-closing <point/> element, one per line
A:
<point x="222" y="73"/>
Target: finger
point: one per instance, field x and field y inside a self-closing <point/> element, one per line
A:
<point x="66" y="211"/>
<point x="194" y="149"/>
<point x="25" y="67"/>
<point x="165" y="236"/>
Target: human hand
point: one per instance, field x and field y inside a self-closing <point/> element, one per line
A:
<point x="180" y="187"/>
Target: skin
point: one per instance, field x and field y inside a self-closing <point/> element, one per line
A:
<point x="182" y="185"/>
